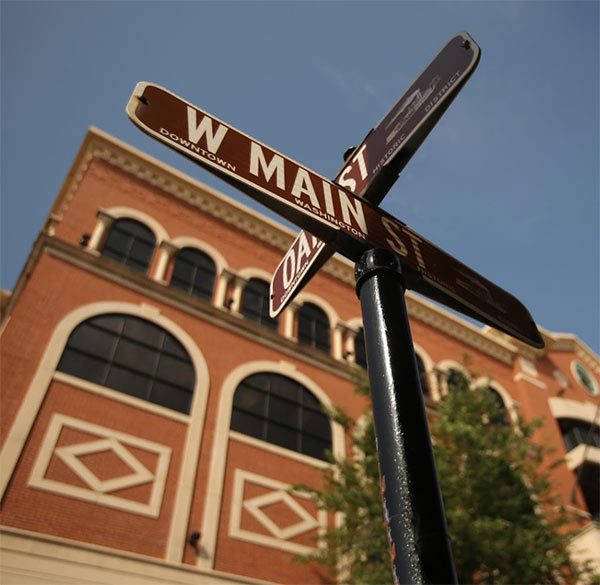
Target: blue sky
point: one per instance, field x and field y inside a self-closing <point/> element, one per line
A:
<point x="507" y="182"/>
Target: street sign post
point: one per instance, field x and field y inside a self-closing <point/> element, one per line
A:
<point x="421" y="551"/>
<point x="373" y="167"/>
<point x="326" y="210"/>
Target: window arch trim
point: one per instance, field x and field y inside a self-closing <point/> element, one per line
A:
<point x="249" y="272"/>
<point x="445" y="366"/>
<point x="190" y="242"/>
<point x="511" y="405"/>
<point x="331" y="313"/>
<point x="567" y="408"/>
<point x="160" y="233"/>
<point x="429" y="365"/>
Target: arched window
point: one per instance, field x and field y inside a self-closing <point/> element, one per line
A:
<point x="457" y="380"/>
<point x="580" y="432"/>
<point x="279" y="410"/>
<point x="313" y="327"/>
<point x="360" y="349"/>
<point x="422" y="376"/>
<point x="576" y="431"/>
<point x="255" y="303"/>
<point x="194" y="272"/>
<point x="501" y="418"/>
<point x="133" y="356"/>
<point x="131" y="243"/>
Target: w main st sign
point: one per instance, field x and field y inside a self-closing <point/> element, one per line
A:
<point x="324" y="209"/>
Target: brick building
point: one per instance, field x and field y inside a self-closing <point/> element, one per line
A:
<point x="154" y="416"/>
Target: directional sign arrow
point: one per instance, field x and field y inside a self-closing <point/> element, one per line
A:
<point x="323" y="208"/>
<point x="373" y="167"/>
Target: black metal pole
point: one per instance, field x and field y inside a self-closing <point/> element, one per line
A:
<point x="413" y="504"/>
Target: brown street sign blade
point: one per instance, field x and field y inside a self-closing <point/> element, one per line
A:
<point x="322" y="207"/>
<point x="373" y="167"/>
<point x="402" y="130"/>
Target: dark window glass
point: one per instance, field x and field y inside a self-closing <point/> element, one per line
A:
<point x="422" y="376"/>
<point x="133" y="356"/>
<point x="576" y="432"/>
<point x="255" y="303"/>
<point x="586" y="379"/>
<point x="277" y="409"/>
<point x="360" y="351"/>
<point x="313" y="327"/>
<point x="501" y="417"/>
<point x="131" y="243"/>
<point x="457" y="380"/>
<point x="194" y="272"/>
<point x="588" y="475"/>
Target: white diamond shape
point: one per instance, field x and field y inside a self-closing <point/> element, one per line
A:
<point x="307" y="522"/>
<point x="69" y="455"/>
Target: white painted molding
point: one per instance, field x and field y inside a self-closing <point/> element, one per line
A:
<point x="97" y="491"/>
<point x="278" y="537"/>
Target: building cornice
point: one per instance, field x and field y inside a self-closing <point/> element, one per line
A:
<point x="553" y="342"/>
<point x="455" y="327"/>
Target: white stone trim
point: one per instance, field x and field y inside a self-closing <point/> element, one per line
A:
<point x="272" y="448"/>
<point x="117" y="396"/>
<point x="289" y="320"/>
<point x="121" y="212"/>
<point x="166" y="251"/>
<point x="562" y="380"/>
<point x="332" y="315"/>
<point x="566" y="408"/>
<point x="106" y="217"/>
<point x="443" y="367"/>
<point x="582" y="453"/>
<point x="98" y="491"/>
<point x="432" y="379"/>
<point x="280" y="493"/>
<point x="531" y="380"/>
<point x="527" y="366"/>
<point x="511" y="405"/>
<point x="586" y="545"/>
<point x="250" y="272"/>
<point x="103" y="222"/>
<point x="30" y="557"/>
<point x="213" y="502"/>
<point x="573" y="369"/>
<point x="191" y="242"/>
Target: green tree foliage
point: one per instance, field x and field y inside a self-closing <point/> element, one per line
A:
<point x="504" y="526"/>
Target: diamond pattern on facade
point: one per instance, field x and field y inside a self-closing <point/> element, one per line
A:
<point x="97" y="490"/>
<point x="306" y="522"/>
<point x="279" y="536"/>
<point x="70" y="456"/>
